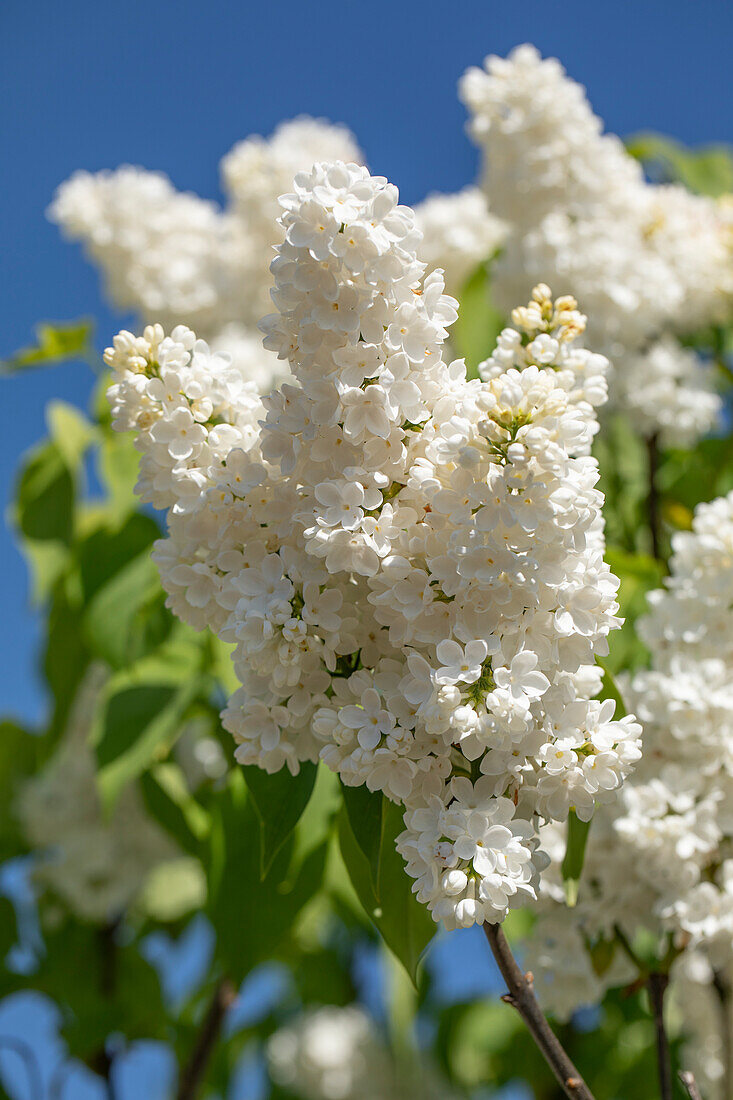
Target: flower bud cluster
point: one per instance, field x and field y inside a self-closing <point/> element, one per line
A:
<point x="409" y="563"/>
<point x="646" y="261"/>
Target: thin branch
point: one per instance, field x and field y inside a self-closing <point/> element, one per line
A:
<point x="193" y="1073"/>
<point x="29" y="1060"/>
<point x="657" y="986"/>
<point x="108" y="963"/>
<point x="722" y="988"/>
<point x="688" y="1080"/>
<point x="521" y="996"/>
<point x="652" y="501"/>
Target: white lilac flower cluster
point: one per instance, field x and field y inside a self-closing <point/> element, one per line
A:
<point x="648" y="262"/>
<point x="335" y="1053"/>
<point x="172" y="257"/>
<point x="662" y="858"/>
<point x="410" y="564"/>
<point x="459" y="232"/>
<point x="97" y="865"/>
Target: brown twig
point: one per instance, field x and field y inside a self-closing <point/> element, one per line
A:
<point x="657" y="986"/>
<point x="101" y="1061"/>
<point x="652" y="503"/>
<point x="722" y="988"/>
<point x="688" y="1080"/>
<point x="192" y="1074"/>
<point x="521" y="996"/>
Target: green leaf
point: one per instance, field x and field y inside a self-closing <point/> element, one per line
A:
<point x="118" y="463"/>
<point x="601" y="954"/>
<point x="684" y="471"/>
<point x="610" y="690"/>
<point x="47" y="560"/>
<point x="707" y="171"/>
<point x="253" y="915"/>
<point x="479" y="321"/>
<point x="127" y="617"/>
<point x="173" y="889"/>
<point x="66" y="656"/>
<point x="638" y="574"/>
<point x="54" y="344"/>
<point x="137" y="723"/>
<point x="101" y="985"/>
<point x="170" y="801"/>
<point x="405" y="924"/>
<point x="108" y="548"/>
<point x="572" y="864"/>
<point x="45" y="496"/>
<point x="623" y="464"/>
<point x="279" y="800"/>
<point x="20" y="755"/>
<point x="70" y="430"/>
<point x="365" y="811"/>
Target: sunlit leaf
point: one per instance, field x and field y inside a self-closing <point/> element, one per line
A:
<point x="170" y="801"/>
<point x="173" y="889"/>
<point x="572" y="864"/>
<point x="137" y="723"/>
<point x="253" y="915"/>
<point x="708" y="171"/>
<point x="479" y="321"/>
<point x="404" y="923"/>
<point x="54" y="344"/>
<point x="127" y="616"/>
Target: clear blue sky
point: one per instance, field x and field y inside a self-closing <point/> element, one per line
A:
<point x="172" y="84"/>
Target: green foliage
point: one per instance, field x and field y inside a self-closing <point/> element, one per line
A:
<point x="127" y="617"/>
<point x="479" y="321"/>
<point x="279" y="801"/>
<point x="101" y="984"/>
<point x="638" y="574"/>
<point x="172" y="804"/>
<point x="687" y="476"/>
<point x="708" y="171"/>
<point x="45" y="496"/>
<point x="572" y="864"/>
<point x="54" y="344"/>
<point x="486" y="1043"/>
<point x="253" y="915"/>
<point x="377" y="873"/>
<point x="623" y="463"/>
<point x="138" y="723"/>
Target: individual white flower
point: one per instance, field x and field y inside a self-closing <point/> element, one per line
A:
<point x="522" y="679"/>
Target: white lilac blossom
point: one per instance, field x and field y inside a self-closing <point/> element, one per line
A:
<point x="459" y="232"/>
<point x="409" y="564"/>
<point x="670" y="392"/>
<point x="661" y="858"/>
<point x="646" y="261"/>
<point x="173" y="258"/>
<point x="96" y="864"/>
<point x="337" y="1053"/>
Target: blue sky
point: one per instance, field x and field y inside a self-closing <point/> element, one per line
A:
<point x="172" y="84"/>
